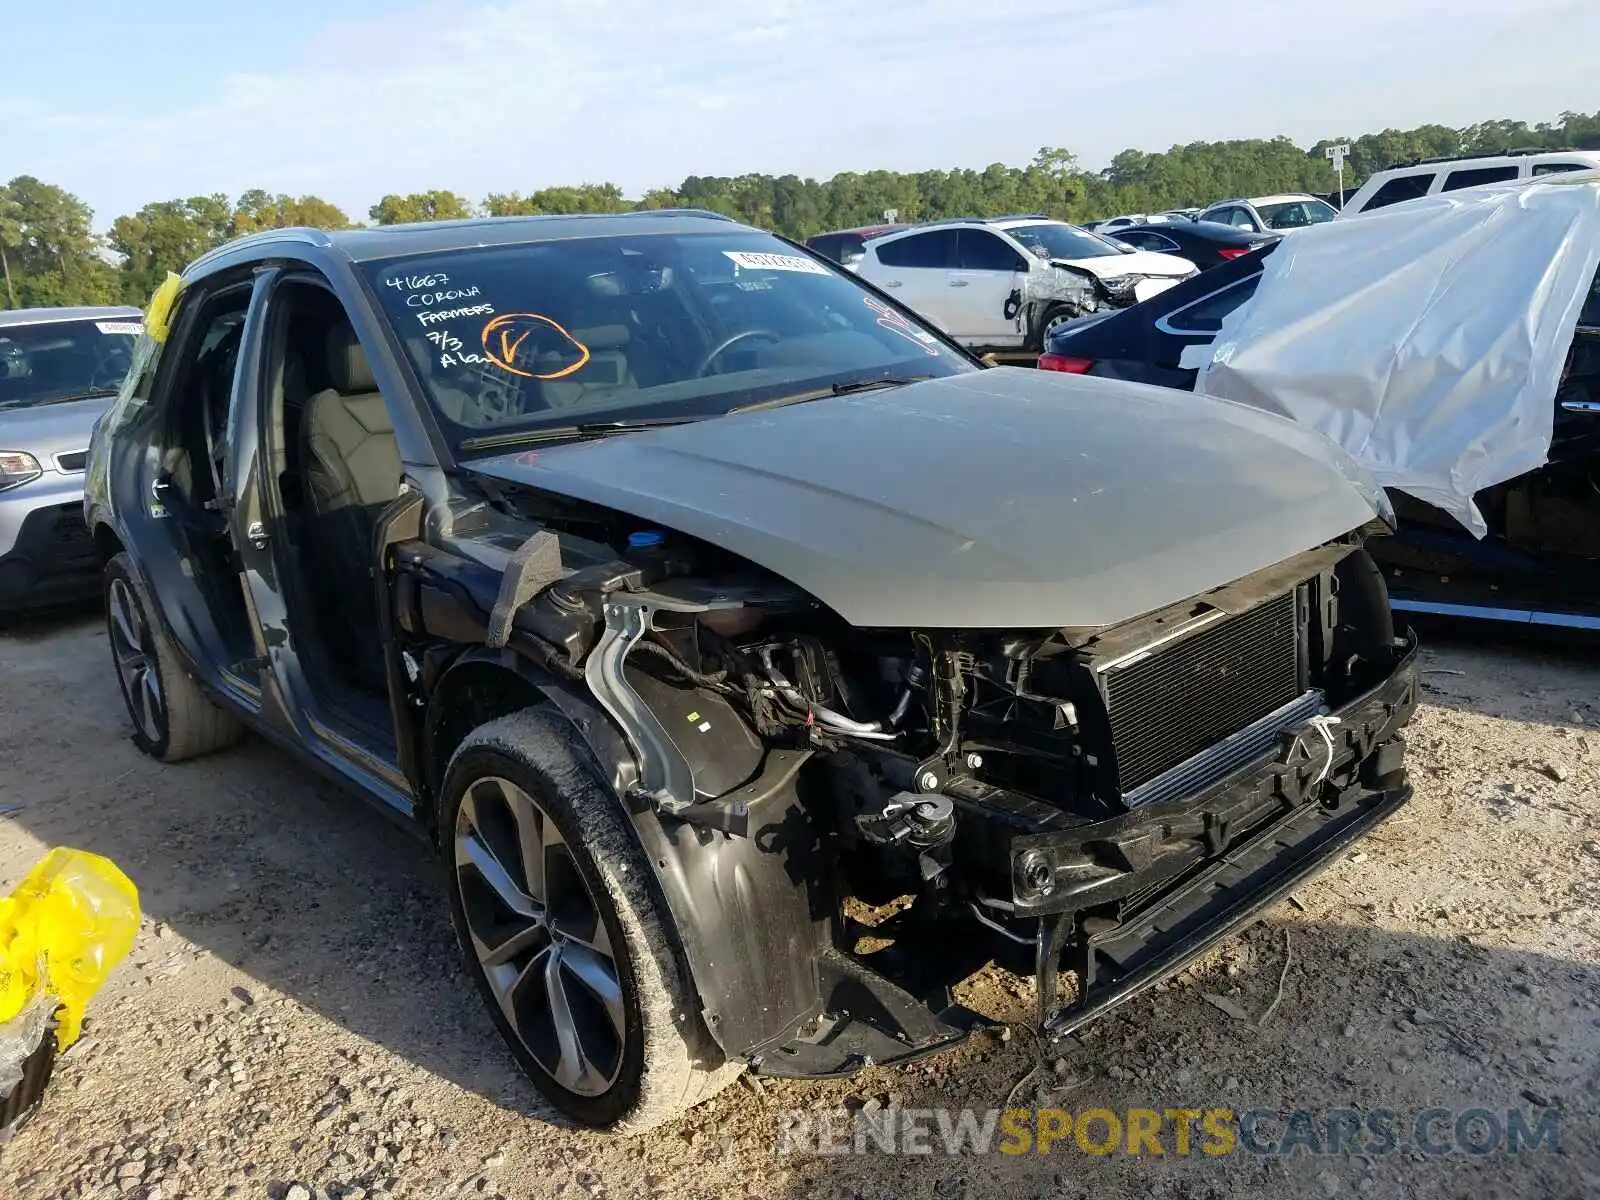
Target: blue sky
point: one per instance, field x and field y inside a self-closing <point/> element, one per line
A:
<point x="349" y="99"/>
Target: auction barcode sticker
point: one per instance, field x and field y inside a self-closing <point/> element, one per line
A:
<point x="133" y="327"/>
<point x="752" y="260"/>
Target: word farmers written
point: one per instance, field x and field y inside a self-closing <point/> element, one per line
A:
<point x="435" y="316"/>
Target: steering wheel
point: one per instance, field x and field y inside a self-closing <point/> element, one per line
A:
<point x="728" y="343"/>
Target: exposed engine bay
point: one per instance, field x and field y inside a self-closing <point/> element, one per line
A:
<point x="1007" y="795"/>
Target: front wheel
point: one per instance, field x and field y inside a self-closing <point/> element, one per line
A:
<point x="563" y="930"/>
<point x="1050" y="320"/>
<point x="172" y="718"/>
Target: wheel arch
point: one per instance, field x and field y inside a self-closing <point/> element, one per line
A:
<point x="751" y="914"/>
<point x="106" y="540"/>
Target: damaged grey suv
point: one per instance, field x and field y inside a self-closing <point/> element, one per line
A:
<point x="761" y="666"/>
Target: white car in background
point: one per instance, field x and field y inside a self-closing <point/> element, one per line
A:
<point x="1271" y="214"/>
<point x="1006" y="282"/>
<point x="1431" y="176"/>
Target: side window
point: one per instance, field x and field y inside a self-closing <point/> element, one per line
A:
<point x="852" y="250"/>
<point x="979" y="250"/>
<point x="1401" y="187"/>
<point x="1146" y="240"/>
<point x="1205" y="314"/>
<point x="1222" y="216"/>
<point x="1590" y="316"/>
<point x="1557" y="168"/>
<point x="828" y="245"/>
<point x="933" y="249"/>
<point x="1477" y="177"/>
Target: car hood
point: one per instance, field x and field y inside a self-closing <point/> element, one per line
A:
<point x="1140" y="262"/>
<point x="46" y="430"/>
<point x="1003" y="498"/>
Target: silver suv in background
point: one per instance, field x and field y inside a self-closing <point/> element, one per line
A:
<point x="59" y="369"/>
<point x="1271" y="214"/>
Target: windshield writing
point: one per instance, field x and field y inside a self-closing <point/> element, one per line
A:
<point x="585" y="329"/>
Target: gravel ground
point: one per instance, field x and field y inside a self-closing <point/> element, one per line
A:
<point x="293" y="1022"/>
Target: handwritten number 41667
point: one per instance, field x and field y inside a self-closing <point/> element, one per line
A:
<point x="415" y="283"/>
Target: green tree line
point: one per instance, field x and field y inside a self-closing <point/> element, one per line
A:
<point x="50" y="254"/>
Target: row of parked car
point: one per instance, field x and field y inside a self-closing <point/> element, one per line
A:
<point x="1401" y="182"/>
<point x="1006" y="283"/>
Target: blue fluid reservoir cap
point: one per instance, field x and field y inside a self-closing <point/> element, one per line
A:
<point x="645" y="539"/>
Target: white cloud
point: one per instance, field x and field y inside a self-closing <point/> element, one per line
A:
<point x="521" y="94"/>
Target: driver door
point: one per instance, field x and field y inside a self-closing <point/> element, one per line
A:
<point x="988" y="271"/>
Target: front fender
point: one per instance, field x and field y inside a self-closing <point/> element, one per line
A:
<point x="752" y="914"/>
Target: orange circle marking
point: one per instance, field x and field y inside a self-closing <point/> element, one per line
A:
<point x="503" y="335"/>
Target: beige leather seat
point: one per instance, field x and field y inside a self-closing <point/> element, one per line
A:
<point x="352" y="472"/>
<point x="600" y="381"/>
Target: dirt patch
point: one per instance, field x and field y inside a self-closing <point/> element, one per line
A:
<point x="293" y="1021"/>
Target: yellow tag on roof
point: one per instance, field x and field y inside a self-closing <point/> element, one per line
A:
<point x="160" y="309"/>
<point x="71" y="919"/>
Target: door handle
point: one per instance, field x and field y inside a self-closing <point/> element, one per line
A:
<point x="958" y="283"/>
<point x="1583" y="406"/>
<point x="891" y="283"/>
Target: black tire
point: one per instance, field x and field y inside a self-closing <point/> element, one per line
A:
<point x="663" y="1061"/>
<point x="172" y="718"/>
<point x="1047" y="318"/>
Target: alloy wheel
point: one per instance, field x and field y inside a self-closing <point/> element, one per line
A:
<point x="136" y="660"/>
<point x="538" y="936"/>
<point x="1052" y="325"/>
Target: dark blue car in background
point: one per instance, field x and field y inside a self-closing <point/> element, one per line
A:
<point x="1539" y="564"/>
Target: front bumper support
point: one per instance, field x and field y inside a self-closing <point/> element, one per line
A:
<point x="1116" y="963"/>
<point x="1170" y="881"/>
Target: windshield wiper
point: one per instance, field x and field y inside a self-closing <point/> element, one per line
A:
<point x="847" y="388"/>
<point x="99" y="393"/>
<point x="568" y="433"/>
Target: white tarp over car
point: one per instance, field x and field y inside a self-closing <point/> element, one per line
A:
<point x="1427" y="339"/>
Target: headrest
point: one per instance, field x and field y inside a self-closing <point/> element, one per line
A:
<point x="348" y="372"/>
<point x="602" y="337"/>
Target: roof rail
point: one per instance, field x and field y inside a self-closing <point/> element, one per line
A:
<point x="969" y="220"/>
<point x="1519" y="152"/>
<point x="290" y="233"/>
<point x="670" y="212"/>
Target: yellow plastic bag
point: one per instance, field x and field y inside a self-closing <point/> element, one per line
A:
<point x="68" y="923"/>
